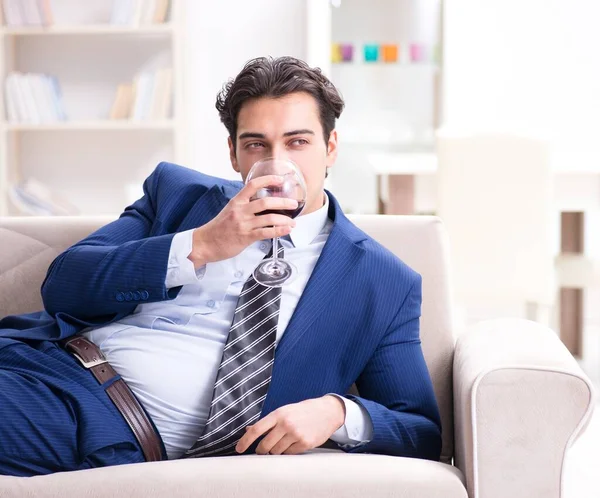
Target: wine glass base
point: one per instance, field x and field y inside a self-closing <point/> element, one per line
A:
<point x="275" y="274"/>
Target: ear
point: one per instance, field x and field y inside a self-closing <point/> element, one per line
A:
<point x="332" y="149"/>
<point x="232" y="156"/>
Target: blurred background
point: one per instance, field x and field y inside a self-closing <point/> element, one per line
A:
<point x="483" y="112"/>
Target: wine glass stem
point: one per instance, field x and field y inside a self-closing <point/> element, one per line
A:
<point x="275" y="250"/>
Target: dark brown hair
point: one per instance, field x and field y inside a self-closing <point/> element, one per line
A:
<point x="269" y="77"/>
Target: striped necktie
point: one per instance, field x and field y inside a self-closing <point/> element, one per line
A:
<point x="245" y="372"/>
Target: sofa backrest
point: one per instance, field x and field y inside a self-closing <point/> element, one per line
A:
<point x="29" y="244"/>
<point x="27" y="247"/>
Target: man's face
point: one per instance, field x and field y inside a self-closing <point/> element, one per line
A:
<point x="286" y="128"/>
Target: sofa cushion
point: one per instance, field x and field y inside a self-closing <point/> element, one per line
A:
<point x="319" y="473"/>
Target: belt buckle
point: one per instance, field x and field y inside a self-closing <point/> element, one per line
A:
<point x="89" y="364"/>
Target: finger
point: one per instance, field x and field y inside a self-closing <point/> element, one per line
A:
<point x="270" y="232"/>
<point x="255" y="431"/>
<point x="295" y="449"/>
<point x="282" y="445"/>
<point x="271" y="203"/>
<point x="270" y="440"/>
<point x="271" y="220"/>
<point x="253" y="186"/>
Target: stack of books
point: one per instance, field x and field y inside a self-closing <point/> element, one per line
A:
<point x="139" y="12"/>
<point x="26" y="13"/>
<point x="147" y="98"/>
<point x="33" y="98"/>
<point x="34" y="198"/>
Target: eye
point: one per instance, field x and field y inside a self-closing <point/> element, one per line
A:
<point x="254" y="145"/>
<point x="299" y="141"/>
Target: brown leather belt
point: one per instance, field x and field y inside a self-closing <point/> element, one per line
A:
<point x="90" y="356"/>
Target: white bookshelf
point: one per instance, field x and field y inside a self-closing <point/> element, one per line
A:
<point x="108" y="125"/>
<point x="90" y="29"/>
<point x="96" y="163"/>
<point x="391" y="108"/>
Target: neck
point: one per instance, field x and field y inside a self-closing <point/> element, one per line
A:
<point x="315" y="206"/>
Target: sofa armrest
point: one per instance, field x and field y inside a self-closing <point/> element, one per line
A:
<point x="520" y="401"/>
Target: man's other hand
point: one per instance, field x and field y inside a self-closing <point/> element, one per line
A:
<point x="237" y="225"/>
<point x="296" y="428"/>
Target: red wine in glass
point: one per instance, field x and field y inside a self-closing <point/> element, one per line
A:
<point x="275" y="271"/>
<point x="292" y="213"/>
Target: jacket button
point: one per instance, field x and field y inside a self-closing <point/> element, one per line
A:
<point x="136" y="296"/>
<point x="128" y="296"/>
<point x="120" y="296"/>
<point x="145" y="295"/>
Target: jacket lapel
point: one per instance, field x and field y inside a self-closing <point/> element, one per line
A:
<point x="339" y="257"/>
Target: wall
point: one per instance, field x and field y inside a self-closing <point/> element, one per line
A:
<point x="532" y="66"/>
<point x="528" y="65"/>
<point x="221" y="37"/>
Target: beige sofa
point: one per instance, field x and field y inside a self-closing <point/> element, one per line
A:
<point x="512" y="398"/>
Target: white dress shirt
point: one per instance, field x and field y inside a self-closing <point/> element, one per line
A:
<point x="169" y="352"/>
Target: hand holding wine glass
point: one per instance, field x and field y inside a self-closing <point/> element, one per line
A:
<point x="238" y="225"/>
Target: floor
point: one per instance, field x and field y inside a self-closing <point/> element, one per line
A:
<point x="582" y="472"/>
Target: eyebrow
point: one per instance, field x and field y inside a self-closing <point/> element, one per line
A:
<point x="250" y="134"/>
<point x="304" y="131"/>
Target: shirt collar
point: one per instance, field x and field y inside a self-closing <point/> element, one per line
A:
<point x="310" y="225"/>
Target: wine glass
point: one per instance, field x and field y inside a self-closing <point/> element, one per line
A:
<point x="275" y="271"/>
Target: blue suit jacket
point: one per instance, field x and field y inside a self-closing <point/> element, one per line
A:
<point x="356" y="322"/>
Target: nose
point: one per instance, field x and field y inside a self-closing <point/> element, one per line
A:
<point x="280" y="152"/>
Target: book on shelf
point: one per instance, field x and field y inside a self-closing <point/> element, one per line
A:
<point x="26" y="13"/>
<point x="160" y="102"/>
<point x="147" y="98"/>
<point x="121" y="108"/>
<point x="143" y="88"/>
<point x="161" y="12"/>
<point x="33" y="98"/>
<point x="139" y="12"/>
<point x="31" y="14"/>
<point x="46" y="12"/>
<point x="32" y="197"/>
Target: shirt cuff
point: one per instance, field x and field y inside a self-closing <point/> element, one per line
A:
<point x="357" y="428"/>
<point x="180" y="269"/>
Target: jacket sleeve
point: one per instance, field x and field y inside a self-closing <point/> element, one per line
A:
<point x="107" y="274"/>
<point x="396" y="390"/>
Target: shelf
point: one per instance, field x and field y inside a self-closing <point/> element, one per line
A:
<point x="90" y="29"/>
<point x="387" y="142"/>
<point x="116" y="125"/>
<point x="400" y="66"/>
<point x="426" y="163"/>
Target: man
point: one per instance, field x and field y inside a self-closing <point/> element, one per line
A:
<point x="221" y="365"/>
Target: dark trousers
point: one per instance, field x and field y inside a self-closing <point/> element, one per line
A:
<point x="54" y="415"/>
